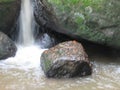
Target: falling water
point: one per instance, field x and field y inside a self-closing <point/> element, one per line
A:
<point x="26" y="23"/>
<point x="28" y="53"/>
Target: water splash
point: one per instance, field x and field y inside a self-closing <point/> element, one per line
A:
<point x="26" y="58"/>
<point x="28" y="53"/>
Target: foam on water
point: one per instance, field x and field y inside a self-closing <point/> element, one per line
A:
<point x="28" y="54"/>
<point x="26" y="58"/>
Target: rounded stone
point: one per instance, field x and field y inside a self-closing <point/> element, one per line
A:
<point x="67" y="59"/>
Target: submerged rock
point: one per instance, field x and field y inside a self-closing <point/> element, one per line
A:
<point x="67" y="59"/>
<point x="7" y="46"/>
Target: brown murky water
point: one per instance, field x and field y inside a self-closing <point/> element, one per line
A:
<point x="106" y="75"/>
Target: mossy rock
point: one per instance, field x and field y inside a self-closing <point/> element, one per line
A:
<point x="97" y="21"/>
<point x="66" y="60"/>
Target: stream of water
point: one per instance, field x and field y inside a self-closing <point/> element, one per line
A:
<point x="23" y="72"/>
<point x="26" y="23"/>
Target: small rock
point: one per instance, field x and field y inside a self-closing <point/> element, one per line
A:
<point x="7" y="47"/>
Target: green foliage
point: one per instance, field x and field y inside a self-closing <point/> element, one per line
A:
<point x="73" y="13"/>
<point x="90" y="19"/>
<point x="6" y="1"/>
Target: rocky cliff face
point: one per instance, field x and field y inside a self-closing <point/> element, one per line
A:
<point x="97" y="21"/>
<point x="9" y="11"/>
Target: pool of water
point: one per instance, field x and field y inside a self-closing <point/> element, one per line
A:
<point x="23" y="72"/>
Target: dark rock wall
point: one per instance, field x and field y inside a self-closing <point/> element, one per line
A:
<point x="9" y="12"/>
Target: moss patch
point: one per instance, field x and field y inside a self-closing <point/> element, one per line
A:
<point x="93" y="20"/>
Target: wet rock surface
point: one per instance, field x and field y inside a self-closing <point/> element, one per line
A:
<point x="67" y="59"/>
<point x="9" y="12"/>
<point x="97" y="21"/>
<point x="7" y="47"/>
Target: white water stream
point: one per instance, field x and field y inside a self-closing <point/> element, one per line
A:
<point x="28" y="53"/>
<point x="26" y="23"/>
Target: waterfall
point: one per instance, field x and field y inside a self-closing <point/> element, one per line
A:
<point x="26" y="23"/>
<point x="27" y="26"/>
<point x="28" y="52"/>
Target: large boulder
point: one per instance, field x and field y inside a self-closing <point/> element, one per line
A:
<point x="67" y="59"/>
<point x="7" y="47"/>
<point x="97" y="21"/>
<point x="9" y="12"/>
